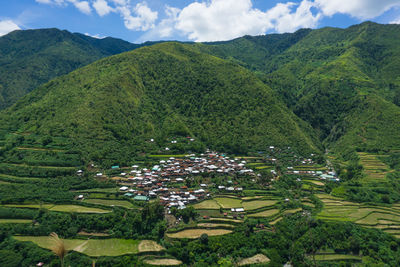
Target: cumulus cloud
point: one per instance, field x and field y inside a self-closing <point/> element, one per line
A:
<point x="362" y="9"/>
<point x="143" y="18"/>
<point x="7" y="26"/>
<point x="228" y="19"/>
<point x="82" y="6"/>
<point x="102" y="8"/>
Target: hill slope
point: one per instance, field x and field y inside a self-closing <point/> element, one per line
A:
<point x="32" y="57"/>
<point x="326" y="76"/>
<point x="110" y="108"/>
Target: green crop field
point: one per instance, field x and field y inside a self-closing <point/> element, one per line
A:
<point x="163" y="262"/>
<point x="102" y="190"/>
<point x="228" y="203"/>
<point x="207" y="205"/>
<point x="336" y="257"/>
<point x="111" y="202"/>
<point x="266" y="213"/>
<point x="196" y="233"/>
<point x="15" y="221"/>
<point x="62" y="208"/>
<point x="256" y="204"/>
<point x="91" y="247"/>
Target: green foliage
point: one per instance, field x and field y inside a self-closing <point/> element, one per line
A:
<point x="341" y="81"/>
<point x="110" y="109"/>
<point x="33" y="57"/>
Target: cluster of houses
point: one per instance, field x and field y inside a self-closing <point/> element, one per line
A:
<point x="166" y="180"/>
<point x="322" y="175"/>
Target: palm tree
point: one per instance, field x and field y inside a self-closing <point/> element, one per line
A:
<point x="58" y="248"/>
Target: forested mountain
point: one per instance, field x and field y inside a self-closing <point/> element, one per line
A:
<point x="110" y="108"/>
<point x="344" y="82"/>
<point x="32" y="57"/>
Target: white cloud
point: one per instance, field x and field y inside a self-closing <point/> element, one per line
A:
<point x="396" y="21"/>
<point x="82" y="6"/>
<point x="102" y="8"/>
<point x="44" y="1"/>
<point x="362" y="9"/>
<point x="7" y="26"/>
<point x="143" y="19"/>
<point x="228" y="19"/>
<point x="284" y="20"/>
<point x="97" y="36"/>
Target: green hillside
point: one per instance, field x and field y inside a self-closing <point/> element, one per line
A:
<point x="331" y="78"/>
<point x="110" y="109"/>
<point x="32" y="57"/>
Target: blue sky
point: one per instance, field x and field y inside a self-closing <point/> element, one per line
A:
<point x="201" y="20"/>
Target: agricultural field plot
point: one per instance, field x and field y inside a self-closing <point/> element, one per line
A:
<point x="266" y="213"/>
<point x="17" y="179"/>
<point x="215" y="225"/>
<point x="149" y="246"/>
<point x="196" y="233"/>
<point x="91" y="247"/>
<point x="61" y="208"/>
<point x="15" y="221"/>
<point x="256" y="259"/>
<point x="228" y="203"/>
<point x="207" y="205"/>
<point x="315" y="182"/>
<point x="111" y="202"/>
<point x="101" y="190"/>
<point x="2" y="182"/>
<point x="264" y="167"/>
<point x="41" y="149"/>
<point x="163" y="262"/>
<point x="379" y="217"/>
<point x="257" y="204"/>
<point x="374" y="169"/>
<point x="337" y="257"/>
<point x="226" y="220"/>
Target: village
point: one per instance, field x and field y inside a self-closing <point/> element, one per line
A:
<point x="168" y="179"/>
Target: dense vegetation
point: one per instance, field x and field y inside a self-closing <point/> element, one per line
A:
<point x="110" y="110"/>
<point x="32" y="57"/>
<point x="342" y="81"/>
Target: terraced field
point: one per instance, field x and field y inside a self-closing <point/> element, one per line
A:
<point x="196" y="233"/>
<point x="386" y="218"/>
<point x="374" y="169"/>
<point x="15" y="221"/>
<point x="111" y="202"/>
<point x="98" y="247"/>
<point x="61" y="208"/>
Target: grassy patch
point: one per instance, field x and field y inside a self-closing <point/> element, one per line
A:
<point x="336" y="257"/>
<point x="163" y="262"/>
<point x="62" y="208"/>
<point x="91" y="247"/>
<point x="266" y="213"/>
<point x="207" y="205"/>
<point x="111" y="202"/>
<point x="196" y="233"/>
<point x="256" y="259"/>
<point x="15" y="221"/>
<point x="256" y="204"/>
<point x="228" y="203"/>
<point x="79" y="209"/>
<point x="214" y="225"/>
<point x="149" y="246"/>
